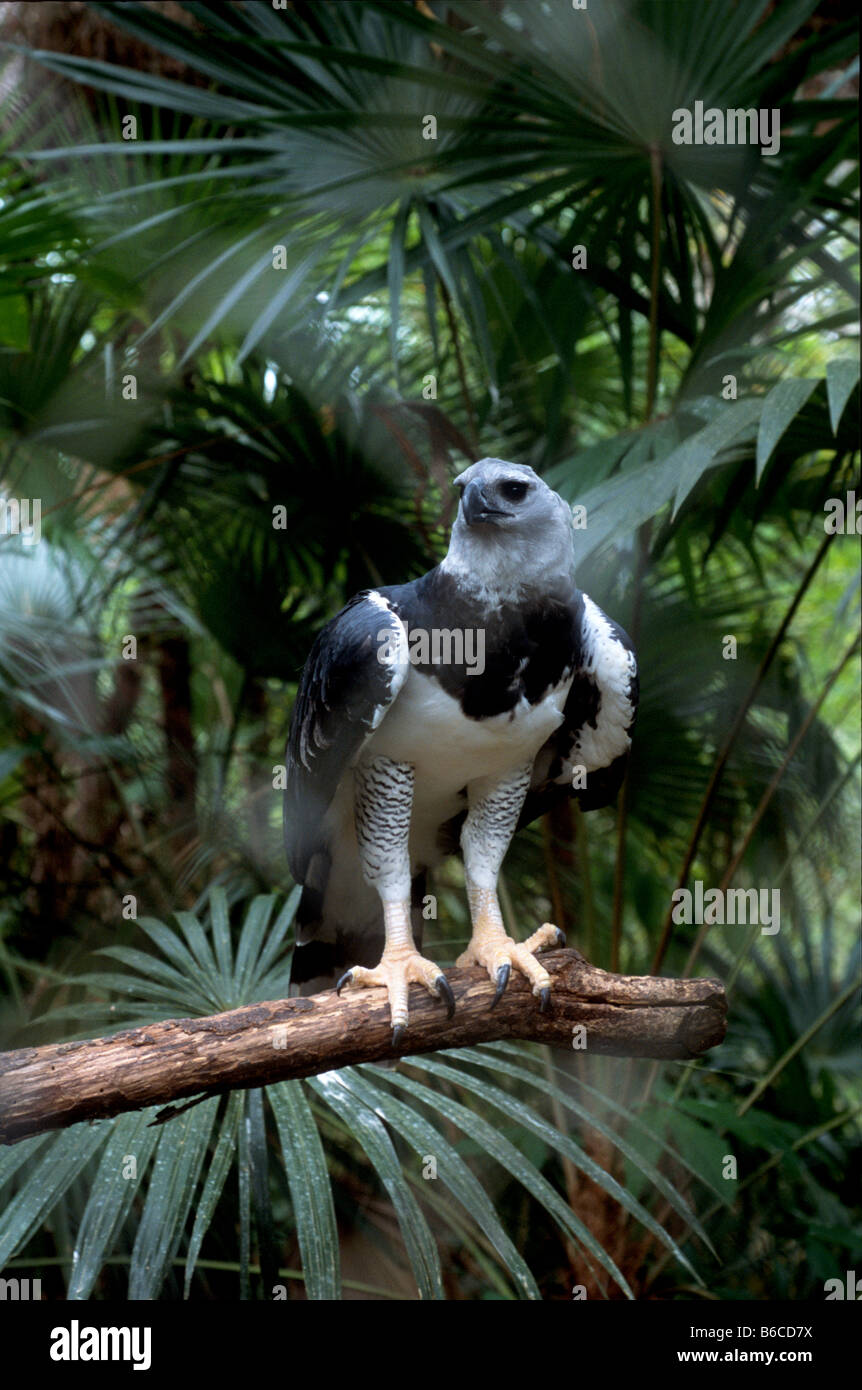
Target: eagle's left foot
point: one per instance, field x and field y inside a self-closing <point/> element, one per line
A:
<point x="397" y="969"/>
<point x="491" y="947"/>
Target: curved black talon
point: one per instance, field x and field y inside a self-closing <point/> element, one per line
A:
<point x="502" y="980"/>
<point x="345" y="980"/>
<point x="398" y="1033"/>
<point x="561" y="938"/>
<point x="544" y="999"/>
<point x="444" y="992"/>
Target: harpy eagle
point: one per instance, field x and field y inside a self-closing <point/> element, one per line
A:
<point x="401" y="749"/>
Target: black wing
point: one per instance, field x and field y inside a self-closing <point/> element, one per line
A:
<point x="597" y="720"/>
<point x="354" y="671"/>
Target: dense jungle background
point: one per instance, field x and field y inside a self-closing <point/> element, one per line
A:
<point x="270" y="276"/>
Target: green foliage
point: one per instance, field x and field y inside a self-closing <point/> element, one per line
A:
<point x="196" y="972"/>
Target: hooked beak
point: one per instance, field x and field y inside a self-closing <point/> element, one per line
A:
<point x="476" y="508"/>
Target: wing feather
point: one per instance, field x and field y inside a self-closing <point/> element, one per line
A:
<point x="598" y="717"/>
<point x="354" y="671"/>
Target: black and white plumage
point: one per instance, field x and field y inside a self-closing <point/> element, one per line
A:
<point x="396" y="759"/>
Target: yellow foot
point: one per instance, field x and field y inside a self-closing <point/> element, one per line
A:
<point x="491" y="947"/>
<point x="397" y="970"/>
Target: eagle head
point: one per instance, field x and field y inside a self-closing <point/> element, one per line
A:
<point x="512" y="533"/>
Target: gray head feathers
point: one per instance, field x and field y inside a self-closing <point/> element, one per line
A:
<point x="513" y="535"/>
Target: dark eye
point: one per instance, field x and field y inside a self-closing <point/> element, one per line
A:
<point x="514" y="492"/>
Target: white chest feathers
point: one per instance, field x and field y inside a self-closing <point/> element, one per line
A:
<point x="426" y="726"/>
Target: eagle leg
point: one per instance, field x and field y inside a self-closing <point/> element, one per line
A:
<point x="492" y="947"/>
<point x="400" y="965"/>
<point x="383" y="802"/>
<point x="490" y="824"/>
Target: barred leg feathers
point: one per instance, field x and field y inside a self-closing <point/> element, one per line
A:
<point x="383" y="804"/>
<point x="493" y="816"/>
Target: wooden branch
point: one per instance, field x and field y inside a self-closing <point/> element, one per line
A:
<point x="50" y="1087"/>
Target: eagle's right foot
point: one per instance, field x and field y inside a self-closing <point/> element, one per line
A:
<point x="399" y="968"/>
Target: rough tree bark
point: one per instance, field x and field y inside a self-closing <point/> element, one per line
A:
<point x="50" y="1087"/>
